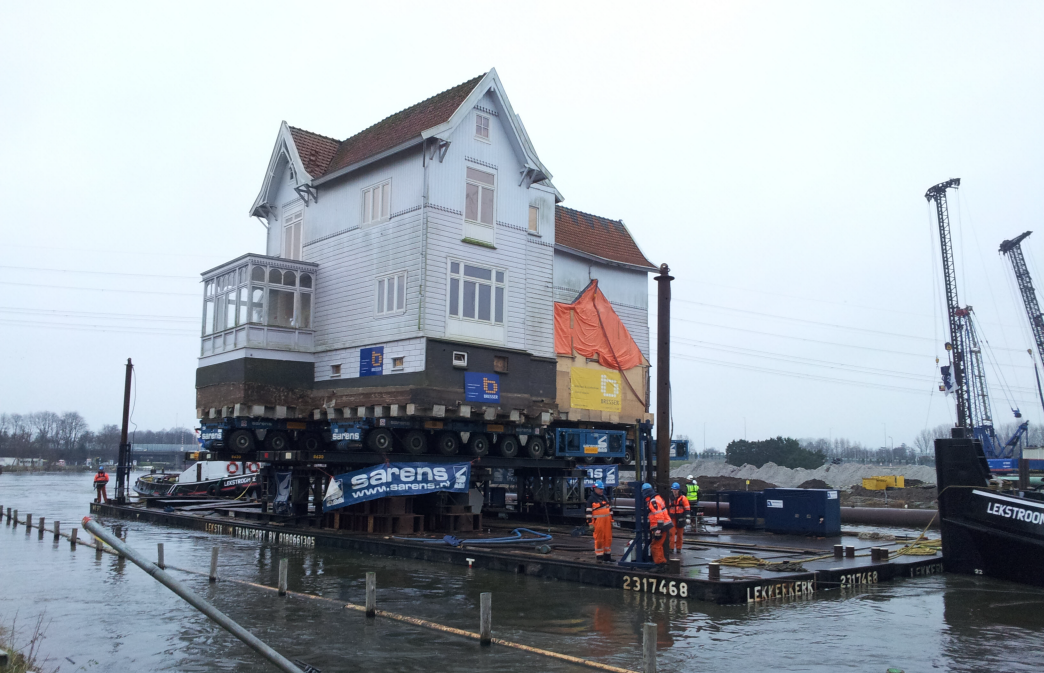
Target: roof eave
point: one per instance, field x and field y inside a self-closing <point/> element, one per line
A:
<point x="284" y="136"/>
<point x="605" y="260"/>
<point x="367" y="161"/>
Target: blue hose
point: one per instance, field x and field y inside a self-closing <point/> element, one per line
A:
<point x="515" y="538"/>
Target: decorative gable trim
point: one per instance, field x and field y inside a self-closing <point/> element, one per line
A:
<point x="284" y="145"/>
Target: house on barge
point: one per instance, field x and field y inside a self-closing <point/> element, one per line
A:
<point x="425" y="267"/>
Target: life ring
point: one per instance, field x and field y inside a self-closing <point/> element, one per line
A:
<point x="252" y="468"/>
<point x="232" y="468"/>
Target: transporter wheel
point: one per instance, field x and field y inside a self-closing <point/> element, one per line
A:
<point x="535" y="447"/>
<point x="448" y="443"/>
<point x="628" y="458"/>
<point x="380" y="440"/>
<point x="589" y="460"/>
<point x="508" y="446"/>
<point x="478" y="444"/>
<point x="241" y="441"/>
<point x="310" y="441"/>
<point x="416" y="442"/>
<point x="276" y="440"/>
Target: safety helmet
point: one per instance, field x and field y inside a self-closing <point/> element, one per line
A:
<point x="676" y="486"/>
<point x="690" y="477"/>
<point x="599" y="484"/>
<point x="647" y="489"/>
<point x="101" y="468"/>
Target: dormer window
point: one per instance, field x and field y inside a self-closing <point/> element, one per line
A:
<point x="482" y="127"/>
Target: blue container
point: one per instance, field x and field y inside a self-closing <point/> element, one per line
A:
<point x="802" y="511"/>
<point x="746" y="510"/>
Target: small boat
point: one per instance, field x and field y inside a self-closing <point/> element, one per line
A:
<point x="210" y="478"/>
<point x="985" y="531"/>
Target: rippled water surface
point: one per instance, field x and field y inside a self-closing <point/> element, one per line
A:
<point x="105" y="614"/>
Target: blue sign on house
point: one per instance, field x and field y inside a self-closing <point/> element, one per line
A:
<point x="371" y="361"/>
<point x="481" y="387"/>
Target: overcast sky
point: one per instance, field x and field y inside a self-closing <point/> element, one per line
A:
<point x="774" y="154"/>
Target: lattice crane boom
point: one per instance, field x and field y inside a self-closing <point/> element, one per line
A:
<point x="1013" y="249"/>
<point x="955" y="312"/>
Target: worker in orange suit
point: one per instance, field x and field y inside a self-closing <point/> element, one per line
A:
<point x="678" y="508"/>
<point x="659" y="525"/>
<point x="600" y="522"/>
<point x="100" y="481"/>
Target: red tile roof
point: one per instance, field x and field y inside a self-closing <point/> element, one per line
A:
<point x="597" y="236"/>
<point x="328" y="155"/>
<point x="315" y="150"/>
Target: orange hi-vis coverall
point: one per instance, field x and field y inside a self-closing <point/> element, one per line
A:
<point x="659" y="527"/>
<point x="100" y="480"/>
<point x="678" y="508"/>
<point x="601" y="517"/>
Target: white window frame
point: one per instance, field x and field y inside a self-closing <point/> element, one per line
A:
<point x="494" y="286"/>
<point x="380" y="294"/>
<point x="382" y="191"/>
<point x="477" y="229"/>
<point x="293" y="220"/>
<point x="534" y="227"/>
<point x="478" y="127"/>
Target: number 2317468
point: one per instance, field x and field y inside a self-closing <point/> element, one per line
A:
<point x="656" y="585"/>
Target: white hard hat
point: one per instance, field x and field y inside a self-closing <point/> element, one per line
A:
<point x="690" y="477"/>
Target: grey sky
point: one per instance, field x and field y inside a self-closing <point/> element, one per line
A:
<point x="774" y="154"/>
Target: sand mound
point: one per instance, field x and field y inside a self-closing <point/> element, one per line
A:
<point x="834" y="476"/>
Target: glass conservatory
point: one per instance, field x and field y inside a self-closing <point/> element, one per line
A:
<point x="258" y="301"/>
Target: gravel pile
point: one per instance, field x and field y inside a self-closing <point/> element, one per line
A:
<point x="835" y="476"/>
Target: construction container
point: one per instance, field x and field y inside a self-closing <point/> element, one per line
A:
<point x="881" y="483"/>
<point x="746" y="509"/>
<point x="802" y="511"/>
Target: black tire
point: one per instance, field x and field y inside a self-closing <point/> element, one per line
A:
<point x="415" y="442"/>
<point x="276" y="440"/>
<point x="212" y="490"/>
<point x="380" y="440"/>
<point x="535" y="447"/>
<point x="448" y="443"/>
<point x="241" y="441"/>
<point x="628" y="458"/>
<point x="310" y="441"/>
<point x="588" y="460"/>
<point x="508" y="446"/>
<point x="478" y="444"/>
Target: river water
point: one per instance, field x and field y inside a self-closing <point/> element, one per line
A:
<point x="104" y="614"/>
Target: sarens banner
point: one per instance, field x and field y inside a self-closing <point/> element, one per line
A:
<point x="596" y="389"/>
<point x="384" y="481"/>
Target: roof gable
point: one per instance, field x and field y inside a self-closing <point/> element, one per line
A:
<point x="598" y="236"/>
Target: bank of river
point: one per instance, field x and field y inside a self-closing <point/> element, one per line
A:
<point x="104" y="614"/>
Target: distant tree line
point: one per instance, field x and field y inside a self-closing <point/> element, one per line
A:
<point x="67" y="436"/>
<point x="784" y="451"/>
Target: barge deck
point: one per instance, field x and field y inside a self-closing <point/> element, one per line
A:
<point x="815" y="567"/>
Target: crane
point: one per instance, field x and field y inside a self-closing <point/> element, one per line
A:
<point x="954" y="311"/>
<point x="1013" y="249"/>
<point x="968" y="383"/>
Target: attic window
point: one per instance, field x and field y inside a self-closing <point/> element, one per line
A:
<point x="482" y="127"/>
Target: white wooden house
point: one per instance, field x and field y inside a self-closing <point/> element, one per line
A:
<point x="424" y="246"/>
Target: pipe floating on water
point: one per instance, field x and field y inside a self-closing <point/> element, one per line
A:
<point x="877" y="516"/>
<point x="514" y="538"/>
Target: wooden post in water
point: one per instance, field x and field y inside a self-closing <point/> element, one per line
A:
<point x="213" y="564"/>
<point x="57" y="530"/>
<point x="371" y="594"/>
<point x="648" y="648"/>
<point x="283" y="563"/>
<point x="39" y="535"/>
<point x="14" y="520"/>
<point x="28" y="523"/>
<point x="485" y="618"/>
<point x="159" y="555"/>
<point x="72" y="537"/>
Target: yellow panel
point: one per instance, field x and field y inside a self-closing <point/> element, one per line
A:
<point x="596" y="389"/>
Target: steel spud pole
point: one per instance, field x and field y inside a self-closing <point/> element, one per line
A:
<point x="195" y="601"/>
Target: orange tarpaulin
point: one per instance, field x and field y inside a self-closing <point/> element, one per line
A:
<point x="591" y="327"/>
